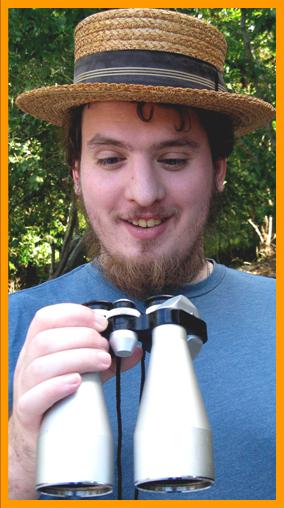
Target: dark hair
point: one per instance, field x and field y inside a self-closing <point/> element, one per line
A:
<point x="218" y="127"/>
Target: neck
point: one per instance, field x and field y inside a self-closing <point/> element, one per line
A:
<point x="204" y="271"/>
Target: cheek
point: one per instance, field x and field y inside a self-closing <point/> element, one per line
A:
<point x="92" y="185"/>
<point x="100" y="196"/>
<point x="194" y="191"/>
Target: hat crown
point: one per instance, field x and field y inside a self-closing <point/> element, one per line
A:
<point x="151" y="30"/>
<point x="148" y="55"/>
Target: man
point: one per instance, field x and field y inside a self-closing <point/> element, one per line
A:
<point x="149" y="126"/>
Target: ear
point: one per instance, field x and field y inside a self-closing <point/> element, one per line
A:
<point x="220" y="174"/>
<point x="76" y="178"/>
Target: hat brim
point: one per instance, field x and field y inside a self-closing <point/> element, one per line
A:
<point x="52" y="103"/>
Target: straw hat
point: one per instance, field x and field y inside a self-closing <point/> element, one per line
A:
<point x="151" y="55"/>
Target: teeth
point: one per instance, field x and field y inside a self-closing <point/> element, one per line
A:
<point x="142" y="223"/>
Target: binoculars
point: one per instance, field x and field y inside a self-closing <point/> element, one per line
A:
<point x="172" y="438"/>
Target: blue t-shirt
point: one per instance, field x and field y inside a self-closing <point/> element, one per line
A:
<point x="235" y="370"/>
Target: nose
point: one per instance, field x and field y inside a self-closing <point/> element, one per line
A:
<point x="144" y="184"/>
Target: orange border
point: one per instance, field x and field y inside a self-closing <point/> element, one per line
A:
<point x="5" y="5"/>
<point x="119" y="4"/>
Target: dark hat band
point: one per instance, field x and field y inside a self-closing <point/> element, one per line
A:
<point x="156" y="68"/>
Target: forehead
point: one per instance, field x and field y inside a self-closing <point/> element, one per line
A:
<point x="118" y="117"/>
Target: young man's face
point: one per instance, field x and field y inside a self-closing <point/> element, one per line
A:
<point x="146" y="186"/>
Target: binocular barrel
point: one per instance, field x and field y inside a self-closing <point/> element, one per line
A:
<point x="172" y="438"/>
<point x="75" y="445"/>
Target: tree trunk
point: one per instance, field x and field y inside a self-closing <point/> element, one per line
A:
<point x="68" y="241"/>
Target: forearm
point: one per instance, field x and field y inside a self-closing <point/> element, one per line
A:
<point x="22" y="463"/>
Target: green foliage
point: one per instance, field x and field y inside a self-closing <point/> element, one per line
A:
<point x="39" y="181"/>
<point x="41" y="53"/>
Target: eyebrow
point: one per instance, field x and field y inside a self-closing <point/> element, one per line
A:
<point x="183" y="142"/>
<point x="99" y="140"/>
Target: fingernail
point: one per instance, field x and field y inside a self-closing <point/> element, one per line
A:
<point x="105" y="358"/>
<point x="101" y="321"/>
<point x="72" y="379"/>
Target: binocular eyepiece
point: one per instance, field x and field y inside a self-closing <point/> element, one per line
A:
<point x="172" y="438"/>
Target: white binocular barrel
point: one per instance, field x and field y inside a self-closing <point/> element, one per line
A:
<point x="172" y="439"/>
<point x="75" y="444"/>
<point x="73" y="434"/>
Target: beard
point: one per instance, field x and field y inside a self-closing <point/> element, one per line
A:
<point x="141" y="278"/>
<point x="163" y="274"/>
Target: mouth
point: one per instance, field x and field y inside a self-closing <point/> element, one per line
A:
<point x="146" y="223"/>
<point x="146" y="228"/>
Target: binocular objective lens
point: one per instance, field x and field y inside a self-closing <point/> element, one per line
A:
<point x="176" y="484"/>
<point x="78" y="489"/>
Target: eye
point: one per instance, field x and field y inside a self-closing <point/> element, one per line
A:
<point x="173" y="163"/>
<point x="109" y="162"/>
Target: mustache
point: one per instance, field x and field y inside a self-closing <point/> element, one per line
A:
<point x="156" y="212"/>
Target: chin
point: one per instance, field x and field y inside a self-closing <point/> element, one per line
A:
<point x="143" y="257"/>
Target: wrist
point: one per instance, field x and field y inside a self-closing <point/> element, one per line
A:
<point x="22" y="463"/>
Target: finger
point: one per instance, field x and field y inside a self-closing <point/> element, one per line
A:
<point x="33" y="403"/>
<point x="126" y="363"/>
<point x="65" y="314"/>
<point x="62" y="339"/>
<point x="63" y="362"/>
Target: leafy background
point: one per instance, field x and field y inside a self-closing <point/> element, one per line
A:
<point x="46" y="230"/>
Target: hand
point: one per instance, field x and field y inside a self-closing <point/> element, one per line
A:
<point x="63" y="342"/>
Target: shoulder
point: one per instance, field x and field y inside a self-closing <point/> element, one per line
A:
<point x="51" y="291"/>
<point x="80" y="285"/>
<point x="240" y="293"/>
<point x="250" y="277"/>
<point x="249" y="282"/>
<point x="248" y="294"/>
<point x="23" y="305"/>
